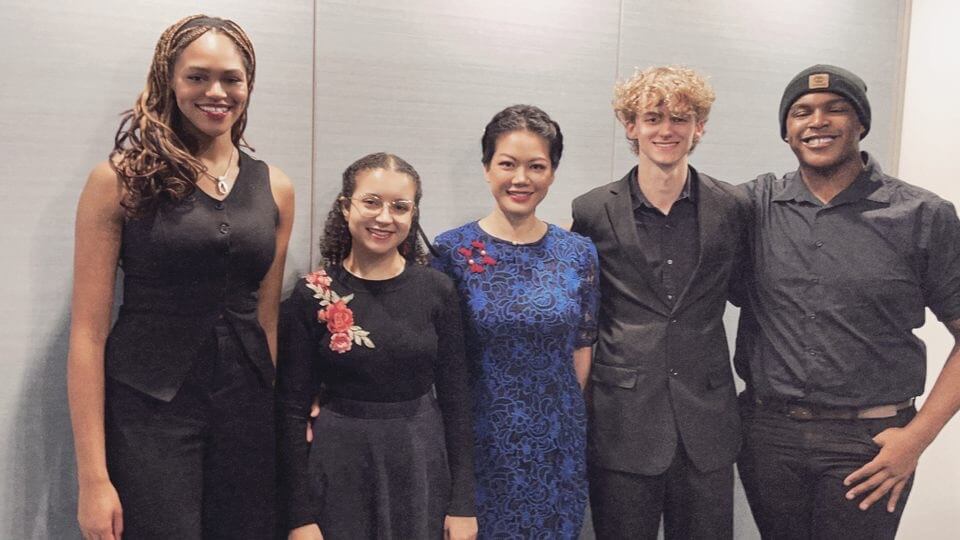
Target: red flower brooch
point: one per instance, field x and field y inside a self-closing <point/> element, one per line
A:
<point x="476" y="262"/>
<point x="339" y="318"/>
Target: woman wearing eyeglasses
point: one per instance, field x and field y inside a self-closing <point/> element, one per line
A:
<point x="371" y="333"/>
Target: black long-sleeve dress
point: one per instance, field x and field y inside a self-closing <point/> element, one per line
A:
<point x="388" y="459"/>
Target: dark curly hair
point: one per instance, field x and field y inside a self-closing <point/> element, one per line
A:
<point x="522" y="118"/>
<point x="152" y="154"/>
<point x="336" y="241"/>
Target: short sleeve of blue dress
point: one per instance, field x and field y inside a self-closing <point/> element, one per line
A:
<point x="527" y="307"/>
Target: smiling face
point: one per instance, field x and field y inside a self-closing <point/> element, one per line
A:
<point x="210" y="85"/>
<point x="823" y="130"/>
<point x="519" y="173"/>
<point x="376" y="233"/>
<point x="665" y="138"/>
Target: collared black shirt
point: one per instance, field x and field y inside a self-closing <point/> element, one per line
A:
<point x="670" y="242"/>
<point x="837" y="289"/>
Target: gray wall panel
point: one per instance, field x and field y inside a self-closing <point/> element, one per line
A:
<point x="281" y="110"/>
<point x="68" y="71"/>
<point x="422" y="78"/>
<point x="750" y="50"/>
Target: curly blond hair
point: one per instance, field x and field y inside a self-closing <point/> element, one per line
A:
<point x="681" y="89"/>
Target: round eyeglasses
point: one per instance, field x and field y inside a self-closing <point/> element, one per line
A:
<point x="372" y="205"/>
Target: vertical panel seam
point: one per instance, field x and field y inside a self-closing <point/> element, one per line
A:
<point x="906" y="22"/>
<point x="313" y="140"/>
<point x="616" y="76"/>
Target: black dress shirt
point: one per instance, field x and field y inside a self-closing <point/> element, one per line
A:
<point x="838" y="288"/>
<point x="670" y="242"/>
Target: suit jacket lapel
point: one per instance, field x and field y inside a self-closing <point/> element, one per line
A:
<point x="708" y="223"/>
<point x="619" y="208"/>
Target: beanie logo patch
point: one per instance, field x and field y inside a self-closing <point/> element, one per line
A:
<point x="818" y="81"/>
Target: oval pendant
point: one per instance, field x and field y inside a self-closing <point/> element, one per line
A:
<point x="221" y="186"/>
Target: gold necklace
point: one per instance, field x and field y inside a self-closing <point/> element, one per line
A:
<point x="221" y="180"/>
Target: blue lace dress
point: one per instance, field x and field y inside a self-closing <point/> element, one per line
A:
<point x="528" y="307"/>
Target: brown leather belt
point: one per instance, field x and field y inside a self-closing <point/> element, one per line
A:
<point x="801" y="411"/>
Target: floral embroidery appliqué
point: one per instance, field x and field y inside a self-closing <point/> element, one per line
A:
<point x="344" y="334"/>
<point x="477" y="262"/>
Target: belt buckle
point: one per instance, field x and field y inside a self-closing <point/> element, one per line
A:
<point x="798" y="412"/>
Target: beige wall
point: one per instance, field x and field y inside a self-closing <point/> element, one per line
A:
<point x="930" y="117"/>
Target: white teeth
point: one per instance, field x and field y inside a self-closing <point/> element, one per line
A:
<point x="214" y="108"/>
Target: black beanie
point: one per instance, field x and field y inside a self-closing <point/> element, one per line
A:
<point x="827" y="78"/>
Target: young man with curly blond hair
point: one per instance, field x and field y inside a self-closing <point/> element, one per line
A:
<point x="664" y="429"/>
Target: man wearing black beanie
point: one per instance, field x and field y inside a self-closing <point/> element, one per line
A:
<point x="845" y="259"/>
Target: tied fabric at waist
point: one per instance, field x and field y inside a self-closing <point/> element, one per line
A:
<point x="153" y="350"/>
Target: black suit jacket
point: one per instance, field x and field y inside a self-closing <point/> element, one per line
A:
<point x="660" y="371"/>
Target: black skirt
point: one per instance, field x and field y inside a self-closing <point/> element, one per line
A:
<point x="379" y="470"/>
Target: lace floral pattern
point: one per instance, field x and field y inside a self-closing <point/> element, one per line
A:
<point x="526" y="314"/>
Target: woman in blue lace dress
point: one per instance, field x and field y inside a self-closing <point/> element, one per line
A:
<point x="530" y="294"/>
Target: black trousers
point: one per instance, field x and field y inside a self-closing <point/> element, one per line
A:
<point x="694" y="504"/>
<point x="202" y="465"/>
<point x="793" y="471"/>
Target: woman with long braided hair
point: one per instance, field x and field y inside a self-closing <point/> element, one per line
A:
<point x="172" y="408"/>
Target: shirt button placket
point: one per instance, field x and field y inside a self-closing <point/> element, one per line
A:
<point x="814" y="293"/>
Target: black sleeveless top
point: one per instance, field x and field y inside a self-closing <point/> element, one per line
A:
<point x="185" y="268"/>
